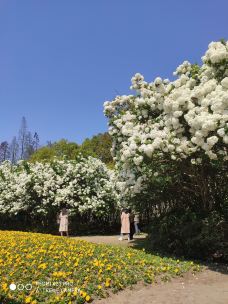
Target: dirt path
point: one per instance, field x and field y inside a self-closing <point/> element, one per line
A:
<point x="207" y="287"/>
<point x="111" y="239"/>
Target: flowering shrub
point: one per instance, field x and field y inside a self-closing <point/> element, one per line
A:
<point x="49" y="269"/>
<point x="182" y="119"/>
<point x="41" y="188"/>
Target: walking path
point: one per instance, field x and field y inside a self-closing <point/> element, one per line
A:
<point x="208" y="287"/>
<point x="112" y="239"/>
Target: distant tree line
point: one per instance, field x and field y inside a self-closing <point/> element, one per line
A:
<point x="21" y="147"/>
<point x="98" y="146"/>
<point x="26" y="146"/>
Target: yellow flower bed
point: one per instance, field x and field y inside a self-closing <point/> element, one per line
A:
<point x="41" y="268"/>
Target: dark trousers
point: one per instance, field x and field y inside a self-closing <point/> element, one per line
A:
<point x="132" y="230"/>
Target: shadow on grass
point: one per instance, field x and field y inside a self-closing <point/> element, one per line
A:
<point x="146" y="244"/>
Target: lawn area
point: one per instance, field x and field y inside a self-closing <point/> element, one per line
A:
<point x="52" y="269"/>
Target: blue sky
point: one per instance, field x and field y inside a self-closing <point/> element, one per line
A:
<point x="60" y="60"/>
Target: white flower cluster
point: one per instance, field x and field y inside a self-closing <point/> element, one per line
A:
<point x="216" y="52"/>
<point x="39" y="188"/>
<point x="187" y="117"/>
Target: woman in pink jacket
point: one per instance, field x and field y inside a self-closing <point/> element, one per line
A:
<point x="125" y="224"/>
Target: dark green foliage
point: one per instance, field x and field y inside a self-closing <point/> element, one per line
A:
<point x="186" y="208"/>
<point x="84" y="224"/>
<point x="188" y="233"/>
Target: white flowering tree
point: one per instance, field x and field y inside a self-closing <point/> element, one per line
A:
<point x="182" y="119"/>
<point x="40" y="189"/>
<point x="170" y="143"/>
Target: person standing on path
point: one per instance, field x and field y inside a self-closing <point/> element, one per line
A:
<point x="136" y="223"/>
<point x="125" y="224"/>
<point x="63" y="222"/>
<point x="132" y="227"/>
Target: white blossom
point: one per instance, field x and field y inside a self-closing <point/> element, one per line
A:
<point x="40" y="187"/>
<point x="187" y="117"/>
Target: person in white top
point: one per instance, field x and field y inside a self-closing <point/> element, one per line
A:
<point x="63" y="222"/>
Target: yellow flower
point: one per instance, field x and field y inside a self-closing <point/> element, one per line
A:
<point x="87" y="298"/>
<point x="99" y="287"/>
<point x="4" y="286"/>
<point x="82" y="293"/>
<point x="59" y="274"/>
<point x="109" y="267"/>
<point x="97" y="263"/>
<point x="75" y="293"/>
<point x="42" y="266"/>
<point x="28" y="299"/>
